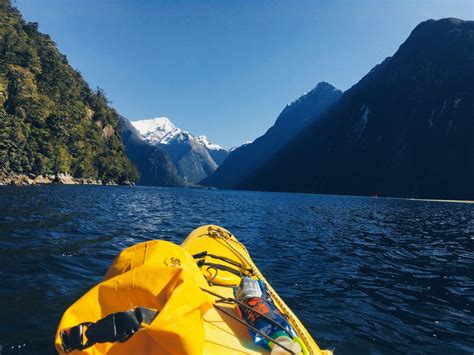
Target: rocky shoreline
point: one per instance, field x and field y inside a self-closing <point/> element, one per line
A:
<point x="64" y="179"/>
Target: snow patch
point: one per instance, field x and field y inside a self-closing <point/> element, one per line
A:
<point x="238" y="146"/>
<point x="365" y="115"/>
<point x="362" y="123"/>
<point x="430" y="118"/>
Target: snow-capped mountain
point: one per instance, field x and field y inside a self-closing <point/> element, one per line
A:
<point x="217" y="153"/>
<point x="162" y="130"/>
<point x="194" y="157"/>
<point x="154" y="164"/>
<point x="205" y="142"/>
<point x="159" y="130"/>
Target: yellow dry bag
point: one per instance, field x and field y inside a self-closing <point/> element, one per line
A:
<point x="150" y="299"/>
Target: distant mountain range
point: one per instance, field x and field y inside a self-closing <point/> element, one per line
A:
<point x="244" y="160"/>
<point x="195" y="158"/>
<point x="153" y="163"/>
<point x="406" y="129"/>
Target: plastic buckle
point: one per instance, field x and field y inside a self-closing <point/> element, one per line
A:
<point x="72" y="338"/>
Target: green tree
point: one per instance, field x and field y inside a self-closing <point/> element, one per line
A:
<point x="63" y="160"/>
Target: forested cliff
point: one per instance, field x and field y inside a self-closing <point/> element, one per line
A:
<point x="51" y="122"/>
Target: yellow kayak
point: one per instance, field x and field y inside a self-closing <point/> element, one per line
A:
<point x="161" y="298"/>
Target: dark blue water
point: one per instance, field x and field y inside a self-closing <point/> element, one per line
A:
<point x="365" y="275"/>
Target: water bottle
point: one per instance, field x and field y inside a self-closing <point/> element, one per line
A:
<point x="253" y="293"/>
<point x="248" y="288"/>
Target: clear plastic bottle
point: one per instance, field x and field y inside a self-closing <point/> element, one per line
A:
<point x="248" y="288"/>
<point x="253" y="293"/>
<point x="288" y="343"/>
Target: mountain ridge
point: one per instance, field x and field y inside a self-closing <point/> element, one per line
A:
<point x="194" y="157"/>
<point x="402" y="130"/>
<point x="153" y="163"/>
<point x="243" y="160"/>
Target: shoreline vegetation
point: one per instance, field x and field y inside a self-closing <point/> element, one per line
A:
<point x="16" y="179"/>
<point x="51" y="121"/>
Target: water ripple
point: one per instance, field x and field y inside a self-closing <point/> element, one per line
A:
<point x="369" y="276"/>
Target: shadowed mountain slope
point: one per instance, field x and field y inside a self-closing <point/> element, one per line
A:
<point x="404" y="130"/>
<point x="243" y="161"/>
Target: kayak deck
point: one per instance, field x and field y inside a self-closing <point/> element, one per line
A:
<point x="224" y="335"/>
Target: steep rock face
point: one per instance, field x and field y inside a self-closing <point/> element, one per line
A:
<point x="404" y="130"/>
<point x="244" y="160"/>
<point x="51" y="122"/>
<point x="217" y="153"/>
<point x="192" y="160"/>
<point x="192" y="156"/>
<point x="153" y="163"/>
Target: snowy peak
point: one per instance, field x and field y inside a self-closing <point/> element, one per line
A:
<point x="203" y="140"/>
<point x="157" y="130"/>
<point x="154" y="124"/>
<point x="161" y="130"/>
<point x="194" y="157"/>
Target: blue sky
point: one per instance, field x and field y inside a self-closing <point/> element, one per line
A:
<point x="226" y="68"/>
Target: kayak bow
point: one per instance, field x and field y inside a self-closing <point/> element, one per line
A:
<point x="160" y="298"/>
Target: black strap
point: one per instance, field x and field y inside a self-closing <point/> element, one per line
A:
<point x="116" y="327"/>
<point x="220" y="267"/>
<point x="203" y="254"/>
